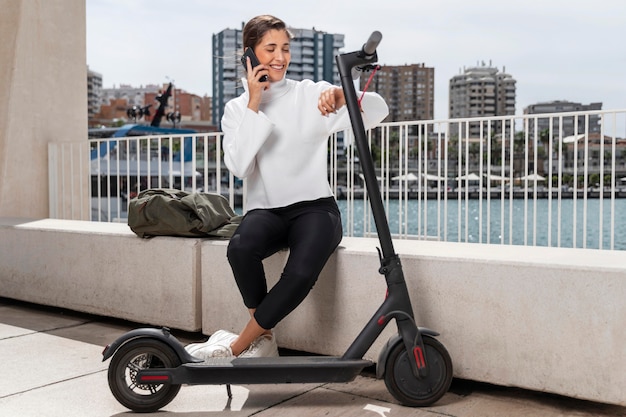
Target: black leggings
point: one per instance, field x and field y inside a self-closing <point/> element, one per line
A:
<point x="311" y="230"/>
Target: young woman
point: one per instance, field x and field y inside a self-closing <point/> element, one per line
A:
<point x="276" y="135"/>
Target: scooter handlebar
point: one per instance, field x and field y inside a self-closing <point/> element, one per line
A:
<point x="372" y="43"/>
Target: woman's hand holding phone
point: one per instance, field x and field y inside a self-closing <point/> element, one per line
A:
<point x="254" y="62"/>
<point x="256" y="84"/>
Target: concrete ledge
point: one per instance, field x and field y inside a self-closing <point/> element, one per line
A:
<point x="545" y="319"/>
<point x="101" y="268"/>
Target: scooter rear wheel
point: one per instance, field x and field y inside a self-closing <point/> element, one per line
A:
<point x="136" y="355"/>
<point x="418" y="392"/>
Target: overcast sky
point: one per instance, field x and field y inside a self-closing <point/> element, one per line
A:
<point x="555" y="49"/>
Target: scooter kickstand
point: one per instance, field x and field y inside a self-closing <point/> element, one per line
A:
<point x="228" y="391"/>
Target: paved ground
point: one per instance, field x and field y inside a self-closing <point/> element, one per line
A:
<point x="51" y="366"/>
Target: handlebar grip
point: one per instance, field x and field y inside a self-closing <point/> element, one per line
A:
<point x="372" y="43"/>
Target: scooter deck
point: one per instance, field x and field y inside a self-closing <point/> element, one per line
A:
<point x="284" y="369"/>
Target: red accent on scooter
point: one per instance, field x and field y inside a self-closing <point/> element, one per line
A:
<point x="381" y="320"/>
<point x="419" y="357"/>
<point x="148" y="378"/>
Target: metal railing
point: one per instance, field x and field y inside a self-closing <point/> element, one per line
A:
<point x="543" y="180"/>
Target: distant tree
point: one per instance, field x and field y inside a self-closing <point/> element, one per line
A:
<point x="543" y="152"/>
<point x="608" y="156"/>
<point x="519" y="150"/>
<point x="376" y="152"/>
<point x="544" y="137"/>
<point x="453" y="149"/>
<point x="474" y="149"/>
<point x="568" y="180"/>
<point x="496" y="149"/>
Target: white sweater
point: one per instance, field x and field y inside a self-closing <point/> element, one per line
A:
<point x="282" y="149"/>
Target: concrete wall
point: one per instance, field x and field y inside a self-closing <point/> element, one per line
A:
<point x="43" y="97"/>
<point x="545" y="319"/>
<point x="102" y="268"/>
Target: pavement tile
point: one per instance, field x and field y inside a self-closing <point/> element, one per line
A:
<point x="7" y="331"/>
<point x="37" y="319"/>
<point x="84" y="395"/>
<point x="89" y="396"/>
<point x="39" y="359"/>
<point x="52" y="367"/>
<point x="328" y="402"/>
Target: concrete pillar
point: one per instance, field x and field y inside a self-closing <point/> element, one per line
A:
<point x="43" y="97"/>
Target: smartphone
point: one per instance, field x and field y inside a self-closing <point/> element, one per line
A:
<point x="254" y="61"/>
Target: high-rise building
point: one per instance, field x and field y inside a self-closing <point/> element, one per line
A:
<point x="409" y="91"/>
<point x="565" y="125"/>
<point x="312" y="57"/>
<point x="94" y="92"/>
<point x="482" y="91"/>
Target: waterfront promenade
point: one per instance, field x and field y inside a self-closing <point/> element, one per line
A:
<point x="52" y="367"/>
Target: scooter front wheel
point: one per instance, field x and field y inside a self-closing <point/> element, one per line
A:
<point x="418" y="392"/>
<point x="136" y="355"/>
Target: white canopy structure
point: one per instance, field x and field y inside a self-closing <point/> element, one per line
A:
<point x="407" y="177"/>
<point x="469" y="177"/>
<point x="533" y="177"/>
<point x="431" y="177"/>
<point x="493" y="177"/>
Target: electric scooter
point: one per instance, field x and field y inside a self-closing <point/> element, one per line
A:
<point x="149" y="365"/>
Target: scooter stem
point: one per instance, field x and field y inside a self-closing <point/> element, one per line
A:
<point x="397" y="304"/>
<point x="346" y="62"/>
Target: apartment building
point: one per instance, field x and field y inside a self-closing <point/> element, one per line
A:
<point x="482" y="91"/>
<point x="312" y="57"/>
<point x="94" y="92"/>
<point x="409" y="91"/>
<point x="134" y="96"/>
<point x="562" y="124"/>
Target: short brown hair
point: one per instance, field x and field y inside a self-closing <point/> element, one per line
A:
<point x="258" y="26"/>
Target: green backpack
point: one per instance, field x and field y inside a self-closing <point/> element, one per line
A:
<point x="169" y="212"/>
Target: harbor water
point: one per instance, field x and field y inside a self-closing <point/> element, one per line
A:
<point x="592" y="223"/>
<point x="559" y="223"/>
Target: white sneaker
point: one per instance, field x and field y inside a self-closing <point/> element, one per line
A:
<point x="192" y="348"/>
<point x="222" y="352"/>
<point x="263" y="347"/>
<point x="222" y="337"/>
<point x="217" y="341"/>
